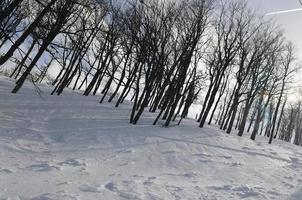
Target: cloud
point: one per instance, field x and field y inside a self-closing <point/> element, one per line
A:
<point x="284" y="11"/>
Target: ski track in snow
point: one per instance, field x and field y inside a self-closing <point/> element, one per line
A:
<point x="71" y="147"/>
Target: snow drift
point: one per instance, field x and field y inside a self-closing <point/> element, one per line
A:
<point x="71" y="147"/>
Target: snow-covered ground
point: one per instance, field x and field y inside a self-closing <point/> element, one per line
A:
<point x="71" y="147"/>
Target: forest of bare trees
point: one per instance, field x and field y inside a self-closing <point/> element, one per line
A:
<point x="164" y="56"/>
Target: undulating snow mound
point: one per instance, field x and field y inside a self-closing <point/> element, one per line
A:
<point x="71" y="147"/>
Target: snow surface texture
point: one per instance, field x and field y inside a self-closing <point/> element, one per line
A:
<point x="71" y="147"/>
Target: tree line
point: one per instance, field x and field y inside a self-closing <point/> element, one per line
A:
<point x="164" y="56"/>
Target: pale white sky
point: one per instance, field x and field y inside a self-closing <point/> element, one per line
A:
<point x="290" y="21"/>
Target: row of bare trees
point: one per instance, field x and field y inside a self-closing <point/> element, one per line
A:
<point x="251" y="58"/>
<point x="162" y="55"/>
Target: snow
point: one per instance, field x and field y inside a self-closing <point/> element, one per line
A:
<point x="72" y="147"/>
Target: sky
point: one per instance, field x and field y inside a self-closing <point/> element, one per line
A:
<point x="291" y="22"/>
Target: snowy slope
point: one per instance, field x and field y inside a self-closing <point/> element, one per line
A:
<point x="71" y="147"/>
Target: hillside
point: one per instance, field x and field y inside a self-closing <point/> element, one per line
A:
<point x="72" y="147"/>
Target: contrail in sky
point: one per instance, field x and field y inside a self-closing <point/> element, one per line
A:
<point x="284" y="11"/>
